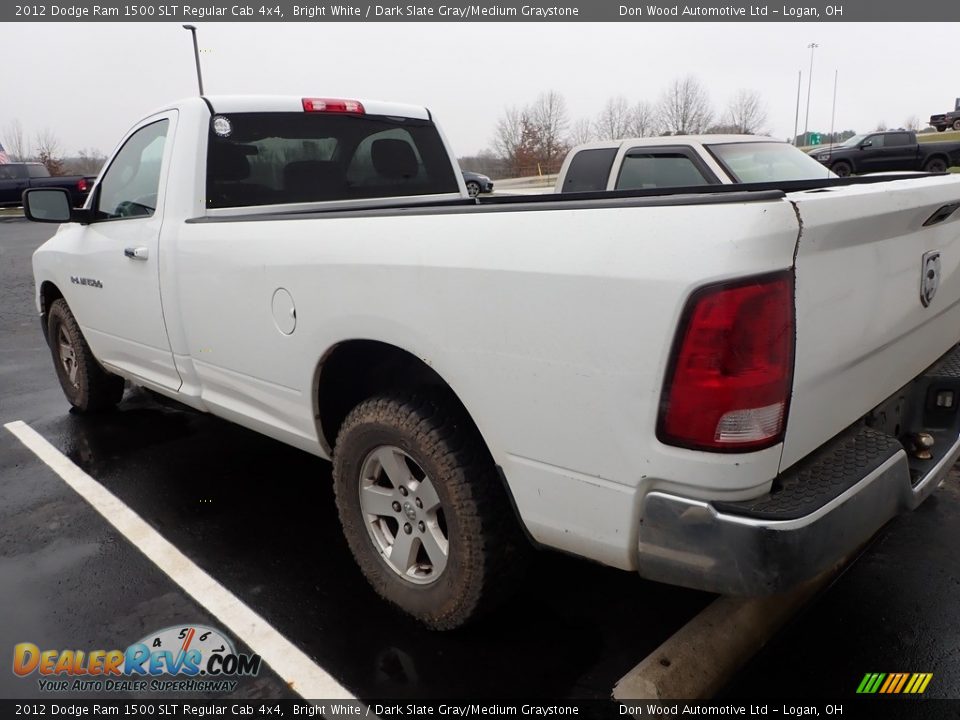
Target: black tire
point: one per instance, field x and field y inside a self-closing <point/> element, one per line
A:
<point x="956" y="124"/>
<point x="473" y="188"/>
<point x="842" y="168"/>
<point x="935" y="165"/>
<point x="485" y="546"/>
<point x="88" y="387"/>
<point x="941" y="128"/>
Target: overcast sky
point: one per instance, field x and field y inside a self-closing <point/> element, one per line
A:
<point x="88" y="82"/>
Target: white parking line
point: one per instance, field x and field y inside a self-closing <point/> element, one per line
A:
<point x="303" y="675"/>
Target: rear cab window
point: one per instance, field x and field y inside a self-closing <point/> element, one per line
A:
<point x="588" y="170"/>
<point x="279" y="158"/>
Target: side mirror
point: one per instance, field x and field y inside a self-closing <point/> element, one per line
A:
<point x="866" y="144"/>
<point x="49" y="205"/>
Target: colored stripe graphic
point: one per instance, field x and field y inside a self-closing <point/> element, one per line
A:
<point x="894" y="683"/>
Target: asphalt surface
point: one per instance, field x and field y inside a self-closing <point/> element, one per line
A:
<point x="259" y="517"/>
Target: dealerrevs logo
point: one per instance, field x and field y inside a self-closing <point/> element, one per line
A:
<point x="200" y="659"/>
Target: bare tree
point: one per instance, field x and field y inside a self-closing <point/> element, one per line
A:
<point x="90" y="161"/>
<point x="613" y="122"/>
<point x="548" y="115"/>
<point x="643" y="120"/>
<point x="746" y="113"/>
<point x="509" y="133"/>
<point x="912" y="123"/>
<point x="685" y="107"/>
<point x="49" y="151"/>
<point x="882" y="125"/>
<point x="581" y="132"/>
<point x="17" y="145"/>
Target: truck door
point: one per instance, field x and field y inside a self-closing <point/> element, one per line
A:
<point x="114" y="275"/>
<point x="901" y="151"/>
<point x="13" y="181"/>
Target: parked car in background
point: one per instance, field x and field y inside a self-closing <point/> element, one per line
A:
<point x="683" y="161"/>
<point x="888" y="151"/>
<point x="477" y="183"/>
<point x="17" y="177"/>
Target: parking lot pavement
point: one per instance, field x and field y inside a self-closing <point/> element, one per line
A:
<point x="894" y="610"/>
<point x="258" y="517"/>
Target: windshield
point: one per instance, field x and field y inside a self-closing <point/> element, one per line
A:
<point x="757" y="162"/>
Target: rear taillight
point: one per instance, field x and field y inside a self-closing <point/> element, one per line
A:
<point x="332" y="105"/>
<point x="728" y="384"/>
<point x="82" y="185"/>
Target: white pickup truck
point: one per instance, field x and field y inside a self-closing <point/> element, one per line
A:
<point x="646" y="163"/>
<point x="726" y="389"/>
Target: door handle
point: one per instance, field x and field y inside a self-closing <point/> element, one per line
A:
<point x="138" y="253"/>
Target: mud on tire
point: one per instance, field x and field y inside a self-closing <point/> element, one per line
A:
<point x="88" y="387"/>
<point x="421" y="453"/>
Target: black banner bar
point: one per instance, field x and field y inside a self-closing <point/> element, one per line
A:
<point x="866" y="707"/>
<point x="502" y="11"/>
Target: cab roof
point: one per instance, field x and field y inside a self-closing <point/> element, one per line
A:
<point x="294" y="103"/>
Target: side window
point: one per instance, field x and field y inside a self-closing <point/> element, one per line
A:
<point x="877" y="141"/>
<point x="649" y="170"/>
<point x="10" y="172"/>
<point x="589" y="170"/>
<point x="131" y="184"/>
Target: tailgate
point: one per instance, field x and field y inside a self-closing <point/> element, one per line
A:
<point x="863" y="330"/>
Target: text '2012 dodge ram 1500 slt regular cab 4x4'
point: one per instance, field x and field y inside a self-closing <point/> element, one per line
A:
<point x="728" y="388"/>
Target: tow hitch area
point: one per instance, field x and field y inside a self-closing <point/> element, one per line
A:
<point x="923" y="415"/>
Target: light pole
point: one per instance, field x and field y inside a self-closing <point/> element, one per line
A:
<point x="806" y="122"/>
<point x="796" y="114"/>
<point x="196" y="54"/>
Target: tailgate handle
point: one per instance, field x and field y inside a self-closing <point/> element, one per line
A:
<point x="942" y="214"/>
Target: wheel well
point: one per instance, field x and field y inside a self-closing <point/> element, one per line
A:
<point x="937" y="156"/>
<point x="49" y="293"/>
<point x="355" y="370"/>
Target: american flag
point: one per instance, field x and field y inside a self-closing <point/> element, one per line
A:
<point x="3" y="156"/>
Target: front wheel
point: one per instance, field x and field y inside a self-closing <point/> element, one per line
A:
<point x="935" y="165"/>
<point x="425" y="515"/>
<point x="473" y="188"/>
<point x="86" y="384"/>
<point x="841" y="168"/>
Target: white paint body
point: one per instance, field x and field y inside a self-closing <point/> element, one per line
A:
<point x="553" y="327"/>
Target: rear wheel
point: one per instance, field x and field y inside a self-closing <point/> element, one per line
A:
<point x="423" y="510"/>
<point x="935" y="165"/>
<point x="956" y="124"/>
<point x="86" y="384"/>
<point x="841" y="168"/>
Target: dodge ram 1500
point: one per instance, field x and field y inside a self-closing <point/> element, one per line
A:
<point x="725" y="387"/>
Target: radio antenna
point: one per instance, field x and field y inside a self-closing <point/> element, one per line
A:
<point x="196" y="54"/>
